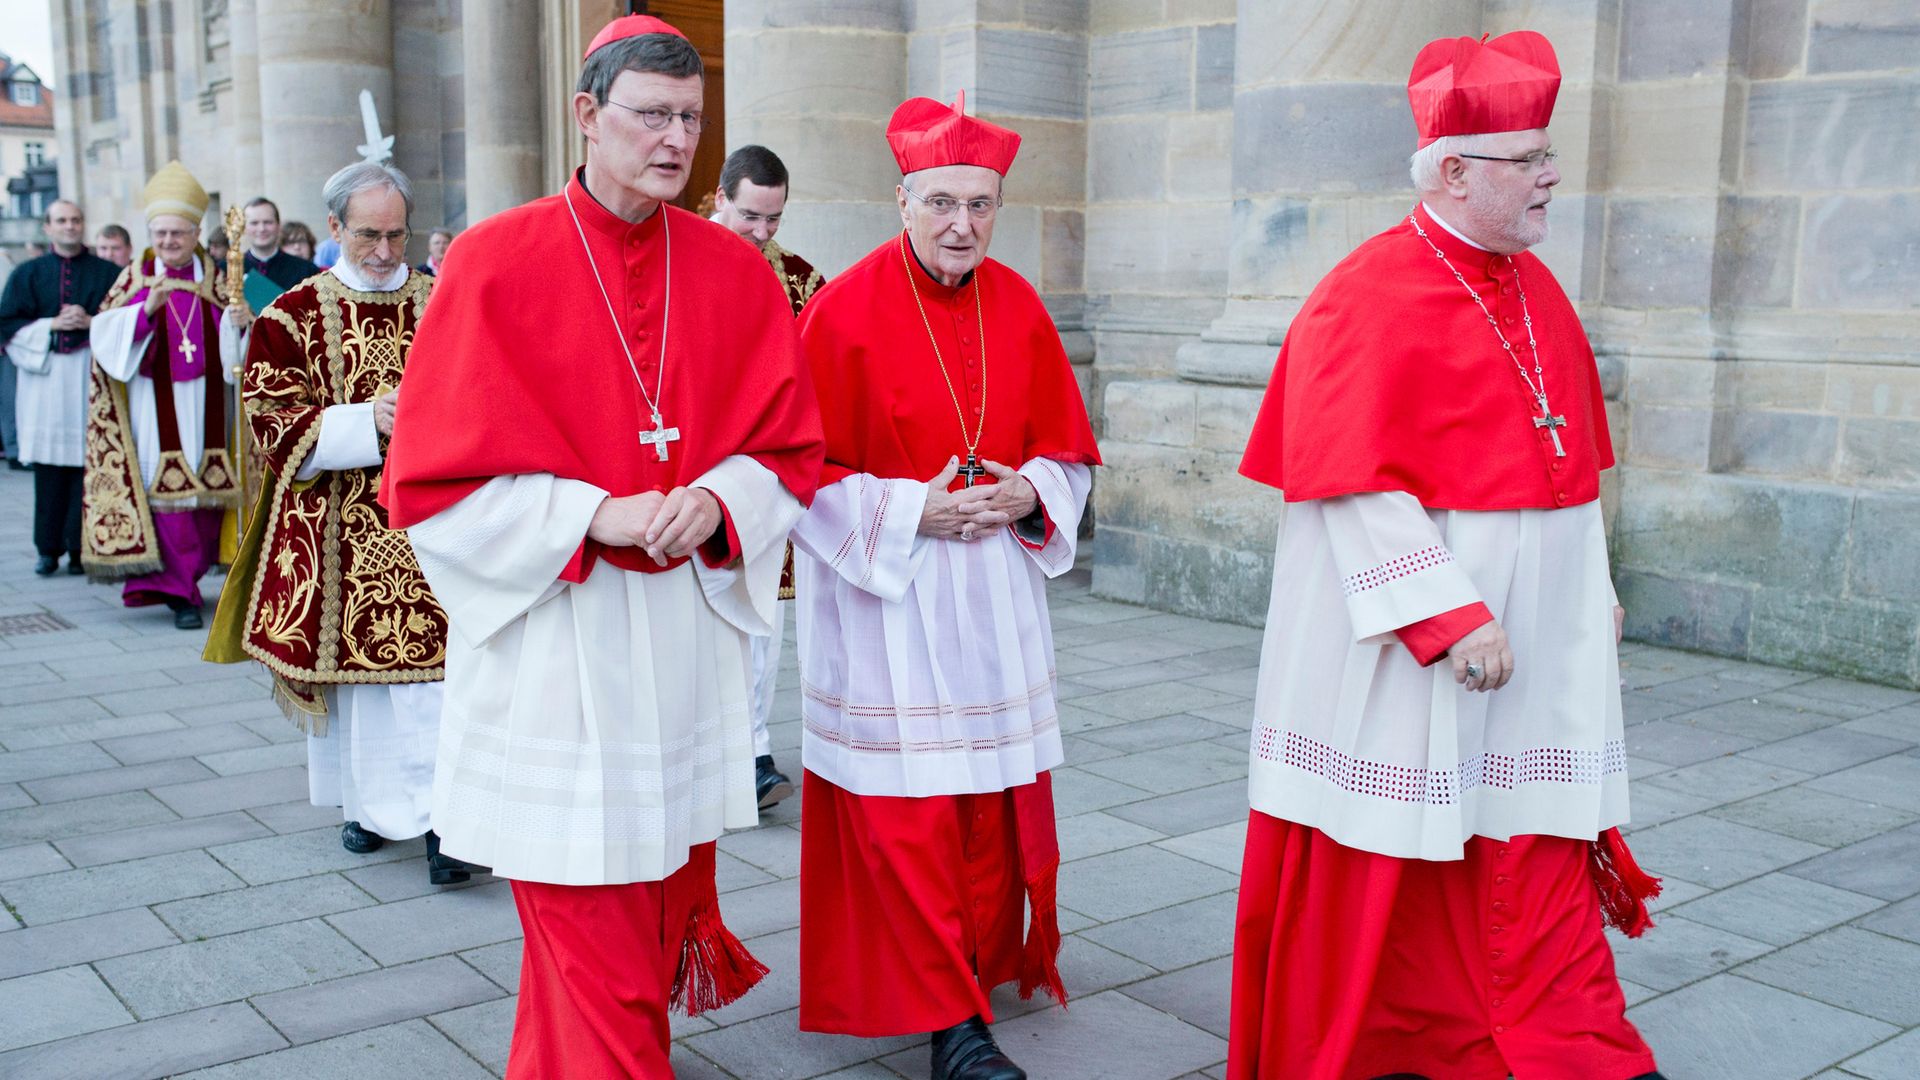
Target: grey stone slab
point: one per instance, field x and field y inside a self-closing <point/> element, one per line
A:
<point x="1902" y="723"/>
<point x="1679" y="951"/>
<point x="1200" y="995"/>
<point x="1855" y="969"/>
<point x="116" y="779"/>
<point x="774" y="849"/>
<point x="1649" y="667"/>
<point x="74" y="731"/>
<point x="1639" y="707"/>
<point x="1715" y="852"/>
<point x="1188" y="811"/>
<point x="240" y="792"/>
<point x="1028" y="73"/>
<point x="274" y="729"/>
<point x="1778" y="909"/>
<point x="1174" y="768"/>
<point x="1849" y="697"/>
<point x="201" y="973"/>
<point x="55" y="1005"/>
<point x="779" y="991"/>
<point x="484" y="1030"/>
<point x="1659" y="805"/>
<point x="501" y="962"/>
<point x="182" y="742"/>
<point x="1725" y="779"/>
<point x="154" y="1048"/>
<point x="1150" y="702"/>
<point x="262" y="905"/>
<point x="413" y="1049"/>
<point x="13" y="796"/>
<point x="1676" y="742"/>
<point x="1084" y="835"/>
<point x="22" y="765"/>
<point x="75" y="893"/>
<point x="90" y="686"/>
<point x="1757" y="718"/>
<point x="1083" y="1042"/>
<point x="1895" y="1059"/>
<point x="743" y="1049"/>
<point x="256" y="758"/>
<point x="1828" y="750"/>
<point x="293" y="817"/>
<point x="1178" y="730"/>
<point x="1135" y="72"/>
<point x="303" y="854"/>
<point x="1136" y="880"/>
<point x="1173" y="937"/>
<point x="1901" y="920"/>
<point x="1120" y="678"/>
<point x="1728" y="1026"/>
<point x="1077" y="749"/>
<point x="730" y="873"/>
<point x="1817" y="817"/>
<point x="190" y="701"/>
<point x="63" y="711"/>
<point x="1886" y="866"/>
<point x="1222" y="847"/>
<point x="1661" y="42"/>
<point x="147" y="840"/>
<point x="375" y="998"/>
<point x="30" y="860"/>
<point x="1835" y="229"/>
<point x="1889" y="781"/>
<point x="80" y="941"/>
<point x="442" y="923"/>
<point x="1076" y="791"/>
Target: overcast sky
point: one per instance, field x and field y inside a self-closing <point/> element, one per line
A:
<point x="26" y="34"/>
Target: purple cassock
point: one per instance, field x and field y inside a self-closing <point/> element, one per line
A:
<point x="189" y="540"/>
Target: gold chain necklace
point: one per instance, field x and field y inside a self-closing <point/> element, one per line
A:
<point x="186" y="346"/>
<point x="972" y="470"/>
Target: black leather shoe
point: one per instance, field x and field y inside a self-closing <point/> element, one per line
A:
<point x="769" y="783"/>
<point x="360" y="841"/>
<point x="966" y="1051"/>
<point x="45" y="565"/>
<point x="445" y="869"/>
<point x="187" y="618"/>
<point x="75" y="566"/>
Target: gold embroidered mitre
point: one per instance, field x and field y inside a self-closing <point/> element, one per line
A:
<point x="173" y="190"/>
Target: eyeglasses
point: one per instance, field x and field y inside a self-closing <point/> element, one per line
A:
<point x="370" y="236"/>
<point x="752" y="218"/>
<point x="1534" y="162"/>
<point x="947" y="205"/>
<point x="656" y="117"/>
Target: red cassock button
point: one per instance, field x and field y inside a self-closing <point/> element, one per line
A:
<point x="1558" y="496"/>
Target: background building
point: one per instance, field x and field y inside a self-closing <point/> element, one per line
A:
<point x="26" y="152"/>
<point x="1740" y="225"/>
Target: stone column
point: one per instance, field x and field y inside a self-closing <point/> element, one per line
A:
<point x="502" y="84"/>
<point x="816" y="87"/>
<point x="249" y="162"/>
<point x="315" y="58"/>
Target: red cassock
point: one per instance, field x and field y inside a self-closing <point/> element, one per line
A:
<point x="516" y="368"/>
<point x="910" y="908"/>
<point x="1348" y="964"/>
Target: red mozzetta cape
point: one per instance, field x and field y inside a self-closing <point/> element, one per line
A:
<point x="516" y="369"/>
<point x="1390" y="379"/>
<point x="886" y="408"/>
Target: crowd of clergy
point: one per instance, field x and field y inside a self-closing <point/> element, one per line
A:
<point x="519" y="565"/>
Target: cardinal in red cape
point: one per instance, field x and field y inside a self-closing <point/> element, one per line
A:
<point x="1438" y="772"/>
<point x="958" y="464"/>
<point x="604" y="433"/>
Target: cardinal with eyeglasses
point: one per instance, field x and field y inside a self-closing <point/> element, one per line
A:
<point x="1438" y="775"/>
<point x="598" y="477"/>
<point x="958" y="464"/>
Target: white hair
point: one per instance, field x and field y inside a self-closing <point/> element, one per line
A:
<point x="364" y="176"/>
<point x="1424" y="166"/>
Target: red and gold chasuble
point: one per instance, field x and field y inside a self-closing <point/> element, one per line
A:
<point x="335" y="596"/>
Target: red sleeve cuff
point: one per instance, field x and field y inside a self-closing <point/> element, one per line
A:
<point x="723" y="547"/>
<point x="1046" y="534"/>
<point x="578" y="567"/>
<point x="1429" y="639"/>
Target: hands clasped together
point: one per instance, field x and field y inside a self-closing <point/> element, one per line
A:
<point x="971" y="513"/>
<point x="72" y="317"/>
<point x="1483" y="660"/>
<point x="666" y="527"/>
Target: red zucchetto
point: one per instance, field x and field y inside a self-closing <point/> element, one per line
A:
<point x="925" y="134"/>
<point x="627" y="26"/>
<point x="1460" y="86"/>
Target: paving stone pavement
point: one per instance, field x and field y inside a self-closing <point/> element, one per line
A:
<point x="174" y="907"/>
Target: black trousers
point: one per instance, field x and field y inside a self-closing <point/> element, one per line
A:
<point x="56" y="509"/>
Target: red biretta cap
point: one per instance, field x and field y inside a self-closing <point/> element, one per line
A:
<point x="1460" y="86"/>
<point x="925" y="134"/>
<point x="627" y="26"/>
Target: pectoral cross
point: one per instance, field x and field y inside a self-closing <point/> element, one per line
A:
<point x="660" y="436"/>
<point x="971" y="470"/>
<point x="187" y="349"/>
<point x="1552" y="423"/>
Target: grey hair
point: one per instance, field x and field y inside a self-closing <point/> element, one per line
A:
<point x="364" y="176"/>
<point x="659" y="54"/>
<point x="1424" y="166"/>
<point x="910" y="180"/>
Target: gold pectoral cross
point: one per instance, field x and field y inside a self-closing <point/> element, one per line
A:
<point x="187" y="349"/>
<point x="1552" y="423"/>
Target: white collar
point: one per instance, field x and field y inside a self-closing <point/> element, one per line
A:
<point x="1456" y="232"/>
<point x="352" y="278"/>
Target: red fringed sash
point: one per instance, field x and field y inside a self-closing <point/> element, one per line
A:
<point x="1040" y="869"/>
<point x="1624" y="888"/>
<point x="715" y="968"/>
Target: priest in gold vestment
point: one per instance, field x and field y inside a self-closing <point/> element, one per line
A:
<point x="324" y="593"/>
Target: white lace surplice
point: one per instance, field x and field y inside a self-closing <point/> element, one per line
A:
<point x="926" y="665"/>
<point x="1352" y="737"/>
<point x="593" y="733"/>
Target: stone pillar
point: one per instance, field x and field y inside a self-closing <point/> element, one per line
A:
<point x="315" y="58"/>
<point x="503" y="132"/>
<point x="418" y="112"/>
<point x="816" y="88"/>
<point x="243" y="37"/>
